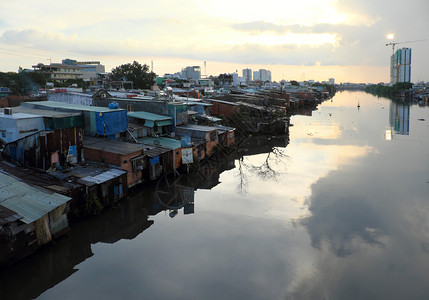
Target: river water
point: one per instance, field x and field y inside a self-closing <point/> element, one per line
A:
<point x="339" y="210"/>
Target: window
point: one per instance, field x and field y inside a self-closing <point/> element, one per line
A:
<point x="138" y="163"/>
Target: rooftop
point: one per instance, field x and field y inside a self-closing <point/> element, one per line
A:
<point x="148" y="116"/>
<point x="41" y="112"/>
<point x="197" y="127"/>
<point x="65" y="106"/>
<point x="122" y="148"/>
<point x="168" y="143"/>
<point x="19" y="116"/>
<point x="27" y="201"/>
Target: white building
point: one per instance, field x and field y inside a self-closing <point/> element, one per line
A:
<point x="192" y="73"/>
<point x="264" y="75"/>
<point x="14" y="126"/>
<point x="331" y="81"/>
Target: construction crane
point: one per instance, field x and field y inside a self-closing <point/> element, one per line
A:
<point x="396" y="43"/>
<point x="392" y="75"/>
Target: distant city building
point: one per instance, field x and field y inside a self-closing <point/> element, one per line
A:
<point x="265" y="75"/>
<point x="331" y="81"/>
<point x="247" y="75"/>
<point x="256" y="76"/>
<point x="59" y="72"/>
<point x="235" y="80"/>
<point x="192" y="73"/>
<point x="89" y="69"/>
<point x="402" y="64"/>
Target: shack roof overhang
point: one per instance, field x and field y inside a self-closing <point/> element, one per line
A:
<point x="102" y="177"/>
<point x="27" y="201"/>
<point x="153" y="151"/>
<point x="151" y="119"/>
<point x="164" y="142"/>
<point x="200" y="128"/>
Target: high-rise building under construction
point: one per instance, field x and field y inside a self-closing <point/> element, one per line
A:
<point x="400" y="66"/>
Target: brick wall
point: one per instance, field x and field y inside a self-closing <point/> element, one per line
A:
<point x="123" y="161"/>
<point x="222" y="109"/>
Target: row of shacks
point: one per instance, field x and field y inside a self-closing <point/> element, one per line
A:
<point x="96" y="154"/>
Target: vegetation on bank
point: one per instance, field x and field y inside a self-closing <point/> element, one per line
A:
<point x="382" y="90"/>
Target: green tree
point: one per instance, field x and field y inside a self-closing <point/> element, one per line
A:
<point x="135" y="72"/>
<point x="294" y="82"/>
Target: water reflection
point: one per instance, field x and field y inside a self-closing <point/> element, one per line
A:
<point x="129" y="219"/>
<point x="400" y="117"/>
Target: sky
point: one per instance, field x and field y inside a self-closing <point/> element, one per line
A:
<point x="296" y="40"/>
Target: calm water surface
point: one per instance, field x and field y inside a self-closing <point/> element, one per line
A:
<point x="342" y="212"/>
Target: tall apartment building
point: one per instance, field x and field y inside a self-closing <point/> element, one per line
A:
<point x="256" y="76"/>
<point x="247" y="75"/>
<point x="400" y="66"/>
<point x="262" y="75"/>
<point x="265" y="75"/>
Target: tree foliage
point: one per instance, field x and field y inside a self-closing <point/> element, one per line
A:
<point x="135" y="72"/>
<point x="23" y="83"/>
<point x="294" y="83"/>
<point x="388" y="91"/>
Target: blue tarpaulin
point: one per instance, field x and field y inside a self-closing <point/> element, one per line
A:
<point x="186" y="142"/>
<point x="100" y="123"/>
<point x="112" y="122"/>
<point x="154" y="160"/>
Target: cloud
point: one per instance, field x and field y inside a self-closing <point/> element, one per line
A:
<point x="260" y="27"/>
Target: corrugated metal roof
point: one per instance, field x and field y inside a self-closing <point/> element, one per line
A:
<point x="197" y="128"/>
<point x="105" y="176"/>
<point x="192" y="102"/>
<point x="122" y="148"/>
<point x="153" y="151"/>
<point x="171" y="144"/>
<point x="7" y="216"/>
<point x="67" y="106"/>
<point x="27" y="201"/>
<point x="148" y="116"/>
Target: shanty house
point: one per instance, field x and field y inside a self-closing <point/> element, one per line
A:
<point x="39" y="216"/>
<point x="207" y="133"/>
<point x="174" y="159"/>
<point x="129" y="157"/>
<point x="58" y="142"/>
<point x="102" y="121"/>
<point x="150" y="124"/>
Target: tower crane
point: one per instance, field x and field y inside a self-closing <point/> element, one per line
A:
<point x="393" y="44"/>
